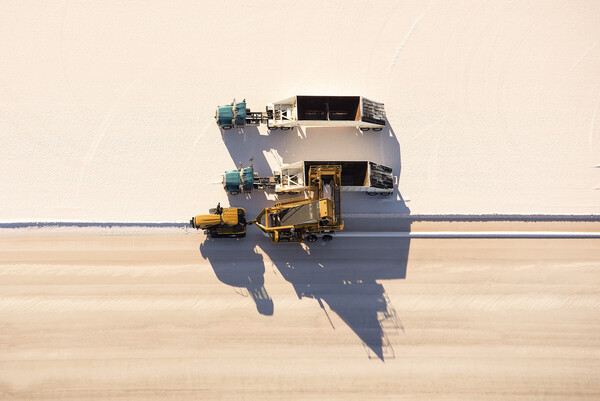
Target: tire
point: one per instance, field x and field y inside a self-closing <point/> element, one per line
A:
<point x="364" y="129"/>
<point x="285" y="128"/>
<point x="327" y="237"/>
<point x="311" y="238"/>
<point x="227" y="127"/>
<point x="377" y="129"/>
<point x="385" y="193"/>
<point x="272" y="128"/>
<point x="372" y="193"/>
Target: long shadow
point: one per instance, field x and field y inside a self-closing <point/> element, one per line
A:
<point x="236" y="263"/>
<point x="344" y="274"/>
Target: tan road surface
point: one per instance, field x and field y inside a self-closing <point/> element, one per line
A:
<point x="159" y="317"/>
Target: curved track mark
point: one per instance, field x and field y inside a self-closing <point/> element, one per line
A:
<point x="406" y="38"/>
<point x="104" y="127"/>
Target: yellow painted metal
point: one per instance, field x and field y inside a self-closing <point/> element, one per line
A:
<point x="207" y="220"/>
<point x="325" y="208"/>
<point x="230" y="216"/>
<point x="327" y="198"/>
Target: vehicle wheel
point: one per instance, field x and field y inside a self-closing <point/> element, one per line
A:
<point x="327" y="237"/>
<point x="285" y="128"/>
<point x="377" y="129"/>
<point x="371" y="193"/>
<point x="227" y="127"/>
<point x="311" y="238"/>
<point x="364" y="128"/>
<point x="385" y="193"/>
<point x="293" y="193"/>
<point x="272" y="128"/>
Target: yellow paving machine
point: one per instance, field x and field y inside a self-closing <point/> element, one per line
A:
<point x="317" y="213"/>
<point x="222" y="222"/>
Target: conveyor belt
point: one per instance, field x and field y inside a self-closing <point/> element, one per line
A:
<point x="308" y="213"/>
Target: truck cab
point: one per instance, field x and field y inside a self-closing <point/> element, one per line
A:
<point x="231" y="115"/>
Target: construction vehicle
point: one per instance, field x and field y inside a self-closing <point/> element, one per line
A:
<point x="307" y="111"/>
<point x="317" y="213"/>
<point x="356" y="176"/>
<point x="222" y="222"/>
<point x="306" y="218"/>
<point x="238" y="115"/>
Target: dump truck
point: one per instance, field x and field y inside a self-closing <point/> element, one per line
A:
<point x="303" y="218"/>
<point x="222" y="222"/>
<point x="317" y="213"/>
<point x="306" y="111"/>
<point x="356" y="176"/>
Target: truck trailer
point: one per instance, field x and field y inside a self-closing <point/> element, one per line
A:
<point x="306" y="111"/>
<point x="356" y="176"/>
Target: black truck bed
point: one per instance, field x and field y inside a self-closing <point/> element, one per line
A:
<point x="354" y="173"/>
<point x="328" y="108"/>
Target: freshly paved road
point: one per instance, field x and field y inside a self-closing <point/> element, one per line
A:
<point x="172" y="317"/>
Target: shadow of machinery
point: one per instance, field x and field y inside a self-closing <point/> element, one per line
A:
<point x="267" y="150"/>
<point x="236" y="263"/>
<point x="343" y="273"/>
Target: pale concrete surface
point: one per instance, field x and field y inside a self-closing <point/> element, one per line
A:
<point x="106" y="108"/>
<point x="155" y="317"/>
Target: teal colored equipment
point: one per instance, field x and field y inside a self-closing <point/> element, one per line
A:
<point x="236" y="181"/>
<point x="238" y="115"/>
<point x="232" y="115"/>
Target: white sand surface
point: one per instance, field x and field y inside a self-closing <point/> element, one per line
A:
<point x="106" y="108"/>
<point x="172" y="317"/>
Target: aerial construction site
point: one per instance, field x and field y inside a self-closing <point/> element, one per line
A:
<point x="340" y="200"/>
